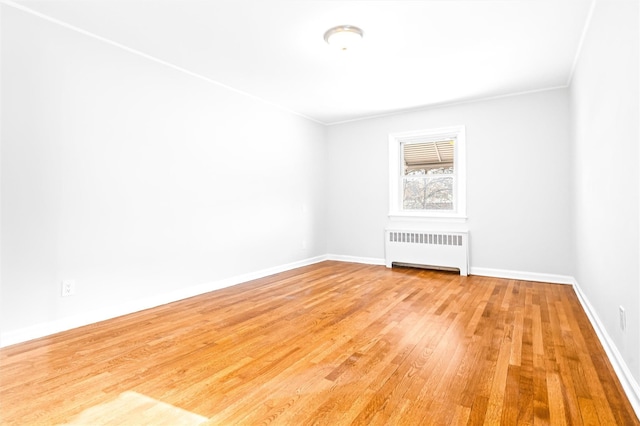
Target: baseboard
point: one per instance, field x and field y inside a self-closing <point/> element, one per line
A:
<point x="356" y="259"/>
<point x="45" y="329"/>
<point x="628" y="382"/>
<point x="520" y="275"/>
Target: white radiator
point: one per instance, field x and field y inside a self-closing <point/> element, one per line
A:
<point x="425" y="248"/>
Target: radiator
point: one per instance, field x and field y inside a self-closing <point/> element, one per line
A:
<point x="429" y="249"/>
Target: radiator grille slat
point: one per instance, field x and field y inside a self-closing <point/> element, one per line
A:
<point x="426" y="238"/>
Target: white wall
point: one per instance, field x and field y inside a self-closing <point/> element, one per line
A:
<point x="518" y="190"/>
<point x="135" y="179"/>
<point x="604" y="104"/>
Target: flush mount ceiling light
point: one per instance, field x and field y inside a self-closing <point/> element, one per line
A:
<point x="343" y="37"/>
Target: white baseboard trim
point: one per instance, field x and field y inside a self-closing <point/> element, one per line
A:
<point x="45" y="329"/>
<point x="520" y="275"/>
<point x="356" y="259"/>
<point x="628" y="382"/>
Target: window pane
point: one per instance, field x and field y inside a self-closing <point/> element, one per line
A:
<point x="428" y="157"/>
<point x="428" y="192"/>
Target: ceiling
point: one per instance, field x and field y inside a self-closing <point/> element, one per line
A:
<point x="414" y="54"/>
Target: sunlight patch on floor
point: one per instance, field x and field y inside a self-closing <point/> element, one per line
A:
<point x="131" y="408"/>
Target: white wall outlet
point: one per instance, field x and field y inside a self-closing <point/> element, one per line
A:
<point x="623" y="318"/>
<point x="68" y="288"/>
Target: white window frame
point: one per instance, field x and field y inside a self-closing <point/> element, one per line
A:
<point x="396" y="141"/>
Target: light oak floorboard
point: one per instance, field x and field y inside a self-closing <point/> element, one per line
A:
<point x="333" y="344"/>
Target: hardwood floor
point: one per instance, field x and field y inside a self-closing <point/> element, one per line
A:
<point x="333" y="344"/>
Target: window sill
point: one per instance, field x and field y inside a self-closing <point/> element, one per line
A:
<point x="428" y="217"/>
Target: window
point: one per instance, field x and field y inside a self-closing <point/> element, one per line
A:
<point x="427" y="176"/>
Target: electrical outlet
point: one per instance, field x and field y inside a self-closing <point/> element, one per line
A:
<point x="623" y="318"/>
<point x="68" y="288"/>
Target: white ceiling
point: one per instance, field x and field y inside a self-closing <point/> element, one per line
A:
<point x="414" y="53"/>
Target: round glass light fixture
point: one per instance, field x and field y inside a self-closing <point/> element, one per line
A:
<point x="343" y="37"/>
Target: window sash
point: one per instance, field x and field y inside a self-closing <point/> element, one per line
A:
<point x="403" y="175"/>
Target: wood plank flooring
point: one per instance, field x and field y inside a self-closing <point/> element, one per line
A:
<point x="330" y="344"/>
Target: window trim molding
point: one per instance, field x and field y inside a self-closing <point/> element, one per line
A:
<point x="460" y="166"/>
